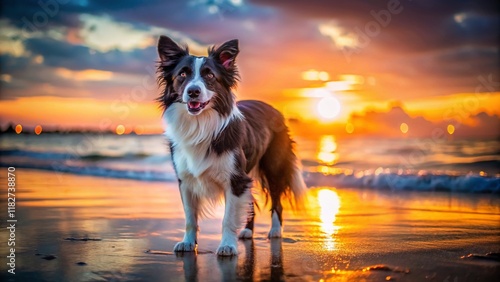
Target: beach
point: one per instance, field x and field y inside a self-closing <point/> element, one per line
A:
<point x="388" y="110"/>
<point x="85" y="228"/>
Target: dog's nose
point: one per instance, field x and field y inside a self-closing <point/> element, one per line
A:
<point x="194" y="91"/>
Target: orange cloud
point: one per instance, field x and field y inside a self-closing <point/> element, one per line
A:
<point x="397" y="123"/>
<point x="89" y="74"/>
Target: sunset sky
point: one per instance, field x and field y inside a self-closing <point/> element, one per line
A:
<point x="343" y="67"/>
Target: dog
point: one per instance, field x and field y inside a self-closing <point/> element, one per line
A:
<point x="220" y="146"/>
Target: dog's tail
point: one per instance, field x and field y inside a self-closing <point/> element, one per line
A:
<point x="297" y="187"/>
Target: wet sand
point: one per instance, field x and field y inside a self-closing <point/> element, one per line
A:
<point x="402" y="236"/>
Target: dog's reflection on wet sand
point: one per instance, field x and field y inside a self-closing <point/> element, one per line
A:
<point x="242" y="267"/>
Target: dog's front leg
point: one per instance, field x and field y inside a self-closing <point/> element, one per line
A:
<point x="235" y="206"/>
<point x="190" y="203"/>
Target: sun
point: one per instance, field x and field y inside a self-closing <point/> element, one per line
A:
<point x="328" y="107"/>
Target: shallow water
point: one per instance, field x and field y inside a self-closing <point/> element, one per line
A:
<point x="407" y="236"/>
<point x="471" y="166"/>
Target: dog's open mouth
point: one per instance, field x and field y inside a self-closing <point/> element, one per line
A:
<point x="195" y="106"/>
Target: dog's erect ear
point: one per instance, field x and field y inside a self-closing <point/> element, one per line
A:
<point x="170" y="54"/>
<point x="169" y="51"/>
<point x="226" y="53"/>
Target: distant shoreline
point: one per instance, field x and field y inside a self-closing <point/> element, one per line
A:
<point x="8" y="132"/>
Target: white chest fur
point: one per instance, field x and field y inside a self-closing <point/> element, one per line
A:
<point x="204" y="172"/>
<point x="206" y="175"/>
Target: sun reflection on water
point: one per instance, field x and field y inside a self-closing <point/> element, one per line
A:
<point x="329" y="203"/>
<point x="327" y="148"/>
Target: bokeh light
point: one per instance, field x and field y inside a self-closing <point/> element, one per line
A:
<point x="349" y="128"/>
<point x="451" y="129"/>
<point x="38" y="129"/>
<point x="120" y="129"/>
<point x="139" y="130"/>
<point x="404" y="128"/>
<point x="19" y="129"/>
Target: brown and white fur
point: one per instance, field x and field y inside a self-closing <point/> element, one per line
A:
<point x="216" y="143"/>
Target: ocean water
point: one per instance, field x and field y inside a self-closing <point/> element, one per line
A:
<point x="471" y="166"/>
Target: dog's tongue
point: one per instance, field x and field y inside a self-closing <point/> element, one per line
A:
<point x="194" y="105"/>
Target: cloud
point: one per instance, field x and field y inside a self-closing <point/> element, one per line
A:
<point x="428" y="49"/>
<point x="96" y="32"/>
<point x="389" y="124"/>
<point x="79" y="57"/>
<point x="61" y="69"/>
<point x="484" y="125"/>
<point x="371" y="30"/>
<point x="341" y="38"/>
<point x="90" y="75"/>
<point x="52" y="65"/>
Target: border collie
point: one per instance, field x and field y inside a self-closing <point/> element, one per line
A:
<point x="219" y="146"/>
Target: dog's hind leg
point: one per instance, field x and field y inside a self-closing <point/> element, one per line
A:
<point x="247" y="232"/>
<point x="276" y="187"/>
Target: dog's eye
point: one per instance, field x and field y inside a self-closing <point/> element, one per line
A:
<point x="182" y="74"/>
<point x="210" y="75"/>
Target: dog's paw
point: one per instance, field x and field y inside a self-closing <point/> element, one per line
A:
<point x="185" y="247"/>
<point x="227" y="250"/>
<point x="275" y="232"/>
<point x="245" y="234"/>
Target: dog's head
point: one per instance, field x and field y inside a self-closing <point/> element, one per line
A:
<point x="202" y="83"/>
